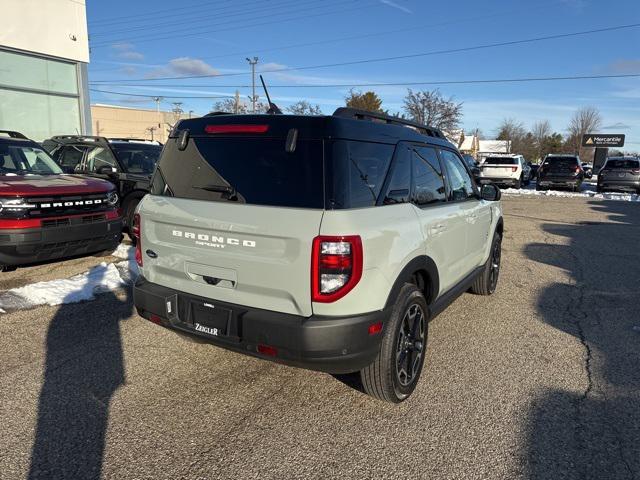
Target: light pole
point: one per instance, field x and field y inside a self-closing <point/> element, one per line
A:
<point x="253" y="63"/>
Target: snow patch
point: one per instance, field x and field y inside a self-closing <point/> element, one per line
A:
<point x="124" y="251"/>
<point x="626" y="197"/>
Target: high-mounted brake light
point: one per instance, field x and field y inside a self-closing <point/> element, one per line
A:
<point x="135" y="230"/>
<point x="219" y="129"/>
<point x="336" y="267"/>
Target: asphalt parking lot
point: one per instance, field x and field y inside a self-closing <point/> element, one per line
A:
<point x="541" y="380"/>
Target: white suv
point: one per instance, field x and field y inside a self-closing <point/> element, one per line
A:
<point x="505" y="170"/>
<point x="323" y="242"/>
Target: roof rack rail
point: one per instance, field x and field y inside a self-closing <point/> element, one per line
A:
<point x="14" y="134"/>
<point x="122" y="139"/>
<point x="354" y="113"/>
<point x="79" y="137"/>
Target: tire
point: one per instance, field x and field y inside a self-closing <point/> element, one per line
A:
<point x="129" y="212"/>
<point x="383" y="379"/>
<point x="518" y="184"/>
<point x="486" y="282"/>
<point x="539" y="188"/>
<point x="8" y="268"/>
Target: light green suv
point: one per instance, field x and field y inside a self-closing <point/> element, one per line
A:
<point x="323" y="242"/>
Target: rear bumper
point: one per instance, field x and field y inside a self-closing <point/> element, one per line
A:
<point x="327" y="344"/>
<point x="559" y="182"/>
<point x="33" y="245"/>
<point x="507" y="182"/>
<point x="625" y="185"/>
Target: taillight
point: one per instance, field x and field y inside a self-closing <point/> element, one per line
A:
<point x="514" y="169"/>
<point x="135" y="230"/>
<point x="336" y="267"/>
<point x="635" y="171"/>
<point x="220" y="129"/>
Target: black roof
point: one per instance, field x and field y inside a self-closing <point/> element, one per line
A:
<point x="346" y="123"/>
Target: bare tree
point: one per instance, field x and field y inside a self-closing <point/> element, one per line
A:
<point x="431" y="108"/>
<point x="514" y="132"/>
<point x="230" y="105"/>
<point x="586" y="120"/>
<point x="304" y="108"/>
<point x="541" y="131"/>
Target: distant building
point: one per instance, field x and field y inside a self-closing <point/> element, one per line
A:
<point x="44" y="52"/>
<point x="125" y="122"/>
<point x="487" y="147"/>
<point x="470" y="145"/>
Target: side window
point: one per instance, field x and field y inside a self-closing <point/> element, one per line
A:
<point x="358" y="170"/>
<point x="428" y="181"/>
<point x="70" y="158"/>
<point x="460" y="182"/>
<point x="100" y="157"/>
<point x="400" y="182"/>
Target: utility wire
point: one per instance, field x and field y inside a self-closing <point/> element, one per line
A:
<point x="386" y="59"/>
<point x="150" y="96"/>
<point x="190" y="33"/>
<point x="365" y="35"/>
<point x="273" y="7"/>
<point x="150" y="15"/>
<point x="398" y="84"/>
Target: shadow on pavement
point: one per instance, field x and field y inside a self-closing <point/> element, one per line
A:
<point x="84" y="367"/>
<point x="595" y="433"/>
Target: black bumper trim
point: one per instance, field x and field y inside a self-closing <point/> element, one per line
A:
<point x="33" y="245"/>
<point x="327" y="344"/>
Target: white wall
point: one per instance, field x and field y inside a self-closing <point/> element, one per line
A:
<point x="46" y="27"/>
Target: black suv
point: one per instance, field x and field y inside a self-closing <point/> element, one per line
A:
<point x="560" y="170"/>
<point x="126" y="162"/>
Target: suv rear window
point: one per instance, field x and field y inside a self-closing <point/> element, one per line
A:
<point x="501" y="161"/>
<point x="336" y="174"/>
<point x="622" y="164"/>
<point x="565" y="161"/>
<point x="249" y="170"/>
<point x="137" y="157"/>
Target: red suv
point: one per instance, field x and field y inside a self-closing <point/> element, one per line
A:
<point x="45" y="214"/>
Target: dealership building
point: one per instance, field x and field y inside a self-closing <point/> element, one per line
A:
<point x="44" y="52"/>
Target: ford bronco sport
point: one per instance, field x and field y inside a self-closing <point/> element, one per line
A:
<point x="46" y="215"/>
<point x="324" y="242"/>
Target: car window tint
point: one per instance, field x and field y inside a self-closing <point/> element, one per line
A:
<point x="460" y="182"/>
<point x="400" y="182"/>
<point x="428" y="181"/>
<point x="71" y="157"/>
<point x="622" y="164"/>
<point x="357" y="171"/>
<point x="100" y="157"/>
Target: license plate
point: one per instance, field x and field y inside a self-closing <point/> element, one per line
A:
<point x="209" y="318"/>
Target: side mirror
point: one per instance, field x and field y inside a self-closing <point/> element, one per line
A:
<point x="490" y="192"/>
<point x="106" y="170"/>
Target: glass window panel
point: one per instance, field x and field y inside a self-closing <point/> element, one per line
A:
<point x="55" y="115"/>
<point x="24" y="71"/>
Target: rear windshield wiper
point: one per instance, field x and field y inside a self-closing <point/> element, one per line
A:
<point x="216" y="188"/>
<point x="226" y="191"/>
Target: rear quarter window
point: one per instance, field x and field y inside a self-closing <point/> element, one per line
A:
<point x="355" y="172"/>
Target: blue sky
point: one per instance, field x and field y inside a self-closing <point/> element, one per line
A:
<point x="162" y="38"/>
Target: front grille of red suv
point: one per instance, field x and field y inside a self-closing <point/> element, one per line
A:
<point x="55" y="206"/>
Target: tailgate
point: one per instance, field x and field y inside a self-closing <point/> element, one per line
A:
<point x="498" y="171"/>
<point x="250" y="255"/>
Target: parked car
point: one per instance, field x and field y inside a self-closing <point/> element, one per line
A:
<point x="588" y="170"/>
<point x="472" y="165"/>
<point x="560" y="171"/>
<point x="323" y="242"/>
<point x="126" y="162"/>
<point x="621" y="174"/>
<point x="534" y="170"/>
<point x="45" y="215"/>
<point x="505" y="170"/>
